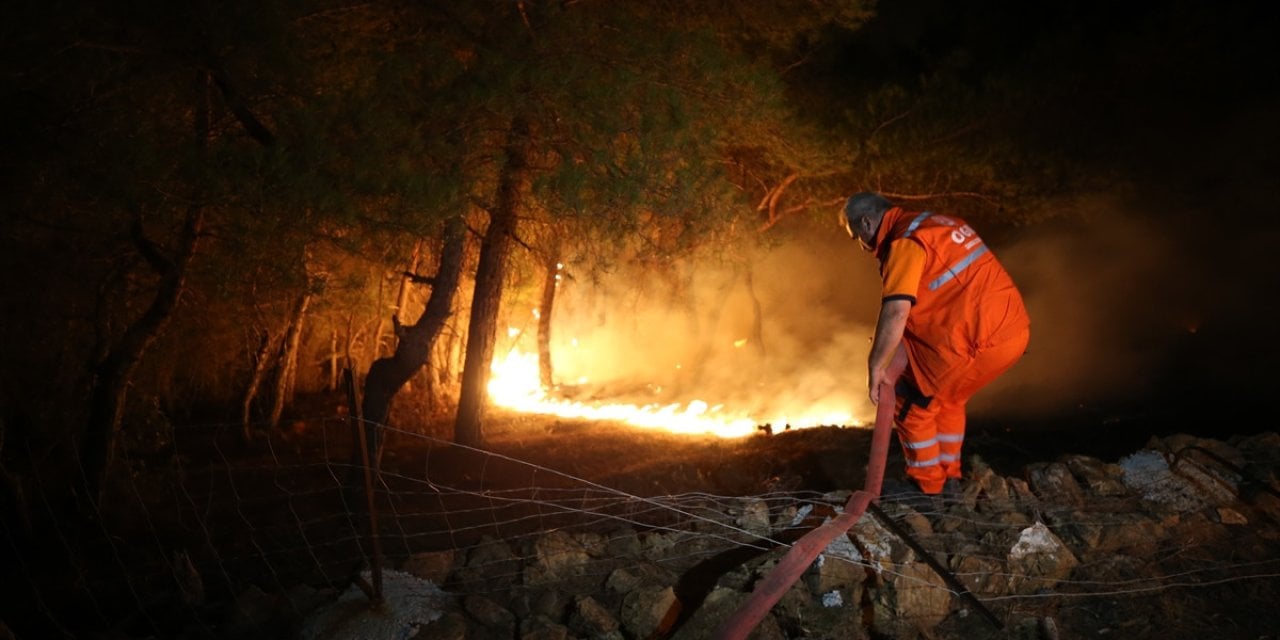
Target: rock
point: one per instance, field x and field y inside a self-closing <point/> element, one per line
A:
<point x="537" y="601"/>
<point x="489" y="613"/>
<point x="716" y="608"/>
<point x="1078" y="518"/>
<point x="590" y="619"/>
<point x="1038" y="560"/>
<point x="1053" y="483"/>
<point x="1013" y="519"/>
<point x="993" y="491"/>
<point x="1147" y="473"/>
<point x="1261" y="454"/>
<point x="1101" y="478"/>
<point x="1227" y="515"/>
<point x="917" y="523"/>
<point x="559" y="555"/>
<point x="622" y="543"/>
<point x="957" y="520"/>
<point x="1049" y="628"/>
<point x="622" y="581"/>
<point x="491" y="564"/>
<point x="1111" y="531"/>
<point x="408" y="604"/>
<point x="541" y="627"/>
<point x="1216" y="485"/>
<point x="877" y="547"/>
<point x="658" y="544"/>
<point x="754" y="518"/>
<point x="982" y="576"/>
<point x="808" y="614"/>
<point x="910" y="602"/>
<point x="450" y="626"/>
<point x="649" y="610"/>
<point x="431" y="565"/>
<point x="839" y="566"/>
<point x="1184" y="446"/>
<point x="1024" y="498"/>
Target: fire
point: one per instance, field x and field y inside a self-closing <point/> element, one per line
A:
<point x="514" y="384"/>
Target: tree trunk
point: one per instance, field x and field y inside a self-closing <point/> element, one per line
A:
<point x="550" y="284"/>
<point x="349" y="347"/>
<point x="402" y="297"/>
<point x="260" y="367"/>
<point x="113" y="374"/>
<point x="387" y="375"/>
<point x="375" y="344"/>
<point x="757" y="315"/>
<point x="289" y="358"/>
<point x="333" y="360"/>
<point x="513" y="185"/>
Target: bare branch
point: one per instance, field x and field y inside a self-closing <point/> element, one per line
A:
<point x="890" y="121"/>
<point x="946" y="194"/>
<point x="240" y="109"/>
<point x="417" y="279"/>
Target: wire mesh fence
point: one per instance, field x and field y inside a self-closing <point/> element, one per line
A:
<point x="196" y="538"/>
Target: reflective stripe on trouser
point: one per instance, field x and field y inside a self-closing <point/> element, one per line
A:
<point x="932" y="429"/>
<point x="932" y="455"/>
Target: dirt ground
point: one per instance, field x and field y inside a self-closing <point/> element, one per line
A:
<point x="648" y="462"/>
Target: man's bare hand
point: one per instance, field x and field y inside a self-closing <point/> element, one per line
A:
<point x="875" y="378"/>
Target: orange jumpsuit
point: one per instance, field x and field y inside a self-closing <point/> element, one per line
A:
<point x="967" y="325"/>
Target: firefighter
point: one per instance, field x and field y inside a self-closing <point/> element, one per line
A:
<point x="949" y="303"/>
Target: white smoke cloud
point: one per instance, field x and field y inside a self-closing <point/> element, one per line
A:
<point x="1109" y="297"/>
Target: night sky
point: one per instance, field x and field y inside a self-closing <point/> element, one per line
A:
<point x="1151" y="306"/>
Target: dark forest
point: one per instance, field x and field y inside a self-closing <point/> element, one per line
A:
<point x="256" y="216"/>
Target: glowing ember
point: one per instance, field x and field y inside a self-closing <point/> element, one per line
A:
<point x="514" y="385"/>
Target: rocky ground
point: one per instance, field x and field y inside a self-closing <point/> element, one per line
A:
<point x="565" y="529"/>
<point x="1176" y="539"/>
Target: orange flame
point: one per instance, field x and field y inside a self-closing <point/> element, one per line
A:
<point x="514" y="384"/>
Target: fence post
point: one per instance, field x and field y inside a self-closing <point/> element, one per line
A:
<point x="374" y="591"/>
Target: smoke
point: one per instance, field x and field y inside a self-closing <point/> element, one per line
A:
<point x="785" y="340"/>
<point x="1111" y="294"/>
<point x="1112" y="301"/>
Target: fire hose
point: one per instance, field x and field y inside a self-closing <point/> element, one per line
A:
<point x="802" y="554"/>
<point x="769" y="590"/>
